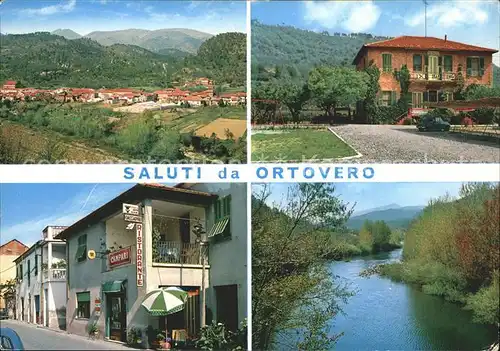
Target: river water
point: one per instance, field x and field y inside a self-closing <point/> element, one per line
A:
<point x="386" y="315"/>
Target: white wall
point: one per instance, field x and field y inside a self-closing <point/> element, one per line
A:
<point x="228" y="259"/>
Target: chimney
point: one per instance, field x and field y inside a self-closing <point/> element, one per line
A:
<point x="445" y="37"/>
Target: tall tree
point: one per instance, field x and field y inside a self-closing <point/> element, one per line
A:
<point x="337" y="86"/>
<point x="294" y="94"/>
<point x="291" y="287"/>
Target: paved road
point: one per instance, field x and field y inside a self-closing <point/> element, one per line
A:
<point x="35" y="338"/>
<point x="404" y="144"/>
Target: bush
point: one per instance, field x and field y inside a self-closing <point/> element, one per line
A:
<point x="215" y="336"/>
<point x="167" y="148"/>
<point x="484" y="304"/>
<point x="483" y="115"/>
<point x="136" y="139"/>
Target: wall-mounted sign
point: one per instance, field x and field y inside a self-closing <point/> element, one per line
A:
<point x="133" y="218"/>
<point x="131" y="209"/>
<point x="118" y="258"/>
<point x="139" y="255"/>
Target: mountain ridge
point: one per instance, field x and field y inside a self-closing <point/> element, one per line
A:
<point x="399" y="217"/>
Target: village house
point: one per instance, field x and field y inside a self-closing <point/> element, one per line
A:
<point x="8" y="253"/>
<point x="9" y="85"/>
<point x="438" y="67"/>
<point x="115" y="259"/>
<point x="41" y="281"/>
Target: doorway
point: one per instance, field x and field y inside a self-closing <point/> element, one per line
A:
<point x="227" y="305"/>
<point x="116" y="317"/>
<point x="433" y="68"/>
<point x="46" y="310"/>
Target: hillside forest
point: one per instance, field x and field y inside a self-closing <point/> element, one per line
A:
<point x="311" y="75"/>
<point x="44" y="60"/>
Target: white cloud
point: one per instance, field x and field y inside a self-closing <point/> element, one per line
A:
<point x="351" y="16"/>
<point x="63" y="7"/>
<point x="451" y="14"/>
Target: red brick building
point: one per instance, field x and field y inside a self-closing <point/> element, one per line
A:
<point x="438" y="67"/>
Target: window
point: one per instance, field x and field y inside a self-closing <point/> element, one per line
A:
<point x="83" y="304"/>
<point x="81" y="252"/>
<point x="36" y="265"/>
<point x="431" y="96"/>
<point x="222" y="225"/>
<point x="387" y="62"/>
<point x="475" y="66"/>
<point x="388" y="98"/>
<point x="448" y="63"/>
<point x="417" y="63"/>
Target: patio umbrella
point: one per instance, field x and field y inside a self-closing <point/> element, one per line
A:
<point x="165" y="301"/>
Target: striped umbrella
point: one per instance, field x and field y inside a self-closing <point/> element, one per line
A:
<point x="162" y="302"/>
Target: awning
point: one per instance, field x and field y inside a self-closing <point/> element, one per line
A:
<point x="112" y="286"/>
<point x="219" y="227"/>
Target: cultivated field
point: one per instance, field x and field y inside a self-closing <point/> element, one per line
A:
<point x="221" y="126"/>
<point x="299" y="145"/>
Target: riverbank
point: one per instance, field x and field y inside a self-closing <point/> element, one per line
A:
<point x="390" y="315"/>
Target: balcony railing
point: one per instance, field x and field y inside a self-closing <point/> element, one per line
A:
<point x="54" y="274"/>
<point x="443" y="76"/>
<point x="176" y="252"/>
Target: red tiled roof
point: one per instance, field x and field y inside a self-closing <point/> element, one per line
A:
<point x="10" y="82"/>
<point x="424" y="43"/>
<point x="427" y="43"/>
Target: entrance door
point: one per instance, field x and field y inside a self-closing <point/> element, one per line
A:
<point x="46" y="311"/>
<point x="185" y="230"/>
<point x="433" y="69"/>
<point x="116" y="317"/>
<point x="22" y="308"/>
<point x="227" y="305"/>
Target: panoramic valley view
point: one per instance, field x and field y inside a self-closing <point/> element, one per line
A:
<point x="97" y="82"/>
<point x="381" y="82"/>
<point x="380" y="266"/>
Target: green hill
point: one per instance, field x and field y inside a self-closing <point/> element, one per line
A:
<point x="275" y="45"/>
<point x="496" y="76"/>
<point x="44" y="60"/>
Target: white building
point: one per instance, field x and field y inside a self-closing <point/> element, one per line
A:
<point x="108" y="290"/>
<point x="41" y="281"/>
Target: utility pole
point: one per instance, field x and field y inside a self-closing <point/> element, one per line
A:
<point x="425" y="16"/>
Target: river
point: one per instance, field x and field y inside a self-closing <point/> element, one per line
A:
<point x="386" y="315"/>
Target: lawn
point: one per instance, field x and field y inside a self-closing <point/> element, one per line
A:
<point x="186" y="123"/>
<point x="298" y="145"/>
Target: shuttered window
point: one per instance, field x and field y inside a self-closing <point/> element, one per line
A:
<point x="387" y="62"/>
<point x="81" y="251"/>
<point x="83" y="304"/>
<point x="222" y="225"/>
<point x="417" y="63"/>
<point x="448" y="63"/>
<point x="475" y="66"/>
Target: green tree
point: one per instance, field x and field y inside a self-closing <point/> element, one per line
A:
<point x="337" y="86"/>
<point x="294" y="95"/>
<point x="291" y="287"/>
<point x="373" y="87"/>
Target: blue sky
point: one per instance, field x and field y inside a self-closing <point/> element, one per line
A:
<point x="475" y="21"/>
<point x="85" y="16"/>
<point x="371" y="195"/>
<point x="26" y="209"/>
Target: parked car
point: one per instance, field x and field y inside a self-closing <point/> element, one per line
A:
<point x="4" y="314"/>
<point x="433" y="124"/>
<point x="10" y="340"/>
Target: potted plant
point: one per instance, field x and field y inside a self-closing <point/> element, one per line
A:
<point x="93" y="331"/>
<point x="134" y="337"/>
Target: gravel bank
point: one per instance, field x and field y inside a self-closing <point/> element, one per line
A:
<point x="404" y="144"/>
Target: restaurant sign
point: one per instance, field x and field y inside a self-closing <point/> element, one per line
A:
<point x="139" y="255"/>
<point x="118" y="258"/>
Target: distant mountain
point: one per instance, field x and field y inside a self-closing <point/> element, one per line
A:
<point x="302" y="49"/>
<point x="67" y="33"/>
<point x="396" y="217"/>
<point x="186" y="40"/>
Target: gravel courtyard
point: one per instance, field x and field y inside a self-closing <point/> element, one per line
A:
<point x="404" y="144"/>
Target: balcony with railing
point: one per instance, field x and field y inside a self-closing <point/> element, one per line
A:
<point x="176" y="252"/>
<point x="54" y="274"/>
<point x="441" y="76"/>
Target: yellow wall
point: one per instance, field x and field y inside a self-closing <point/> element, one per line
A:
<point x="7" y="271"/>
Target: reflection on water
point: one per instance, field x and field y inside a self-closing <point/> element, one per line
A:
<point x="386" y="315"/>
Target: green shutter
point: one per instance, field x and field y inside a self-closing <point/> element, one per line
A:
<point x="387" y="62"/>
<point x="227" y="206"/>
<point x="81" y="253"/>
<point x="426" y="96"/>
<point x="469" y="66"/>
<point x="426" y="60"/>
<point x="83" y="296"/>
<point x="219" y="227"/>
<point x="393" y="97"/>
<point x="481" y="66"/>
